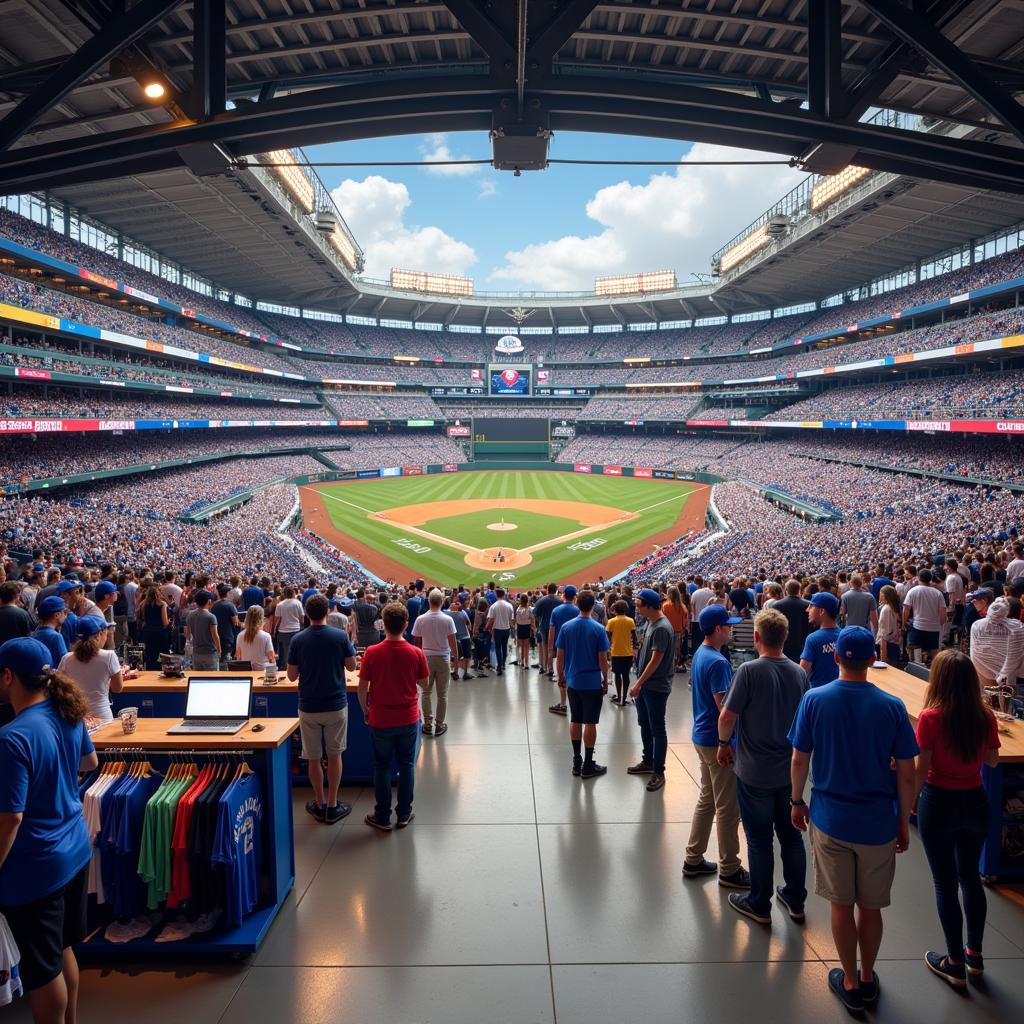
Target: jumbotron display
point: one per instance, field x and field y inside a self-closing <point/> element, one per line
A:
<point x="506" y="436"/>
<point x="508" y="380"/>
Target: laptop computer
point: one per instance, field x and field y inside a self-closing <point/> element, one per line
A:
<point x="215" y="705"/>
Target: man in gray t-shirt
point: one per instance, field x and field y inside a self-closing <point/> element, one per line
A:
<point x="201" y="629"/>
<point x="858" y="606"/>
<point x="763" y="700"/>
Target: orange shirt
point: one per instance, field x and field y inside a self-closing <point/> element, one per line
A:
<point x="677" y="615"/>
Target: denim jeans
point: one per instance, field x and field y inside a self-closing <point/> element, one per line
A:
<point x="402" y="742"/>
<point x="763" y="811"/>
<point x="953" y="825"/>
<point x="501" y="645"/>
<point x="650" y="713"/>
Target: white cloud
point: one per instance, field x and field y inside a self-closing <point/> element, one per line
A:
<point x="375" y="209"/>
<point x="488" y="188"/>
<point x="436" y="150"/>
<point x="674" y="221"/>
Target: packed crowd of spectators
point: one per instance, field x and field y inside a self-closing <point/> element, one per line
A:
<point x="345" y="405"/>
<point x="459" y="408"/>
<point x="658" y="451"/>
<point x="636" y="407"/>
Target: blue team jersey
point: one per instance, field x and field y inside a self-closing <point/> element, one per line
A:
<point x="560" y="616"/>
<point x="852" y="731"/>
<point x="53" y="642"/>
<point x="583" y="639"/>
<point x="710" y="673"/>
<point x="819" y="650"/>
<point x="238" y="846"/>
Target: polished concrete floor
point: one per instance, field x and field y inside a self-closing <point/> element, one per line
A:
<point x="521" y="894"/>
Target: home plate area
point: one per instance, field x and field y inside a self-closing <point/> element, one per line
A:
<point x="578" y="519"/>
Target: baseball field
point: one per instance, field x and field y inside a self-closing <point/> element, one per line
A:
<point x="523" y="528"/>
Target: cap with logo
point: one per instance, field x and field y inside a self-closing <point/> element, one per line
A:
<point x="569" y="591"/>
<point x="716" y="615"/>
<point x="50" y="606"/>
<point x="25" y="656"/>
<point x="826" y="602"/>
<point x="856" y="643"/>
<point x="104" y="589"/>
<point x="90" y="625"/>
<point x="65" y="585"/>
<point x="649" y="598"/>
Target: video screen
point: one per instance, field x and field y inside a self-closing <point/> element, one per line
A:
<point x="509" y="380"/>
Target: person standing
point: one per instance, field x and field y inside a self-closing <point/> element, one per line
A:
<point x="854" y="731"/>
<point x="542" y="614"/>
<point x="500" y="618"/>
<point x="818" y="656"/>
<point x="44" y="845"/>
<point x="436" y="633"/>
<point x="582" y="657"/>
<point x="254" y="643"/>
<point x="366" y="613"/>
<point x="996" y="642"/>
<point x="50" y="611"/>
<point x="201" y="629"/>
<point x="93" y="667"/>
<point x="389" y="678"/>
<point x="924" y="611"/>
<point x="524" y="630"/>
<point x="957" y="734"/>
<point x="857" y="606"/>
<point x="622" y="633"/>
<point x="318" y="657"/>
<point x="675" y="610"/>
<point x="710" y="675"/>
<point x="653" y="685"/>
<point x="14" y="620"/>
<point x="562" y="614"/>
<point x="794" y="607"/>
<point x="288" y="613"/>
<point x="228" y="626"/>
<point x="463" y="639"/>
<point x="759" y="708"/>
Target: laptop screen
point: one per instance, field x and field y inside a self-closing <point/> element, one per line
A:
<point x="225" y="697"/>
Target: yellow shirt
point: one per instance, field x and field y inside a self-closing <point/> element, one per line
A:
<point x="620" y="629"/>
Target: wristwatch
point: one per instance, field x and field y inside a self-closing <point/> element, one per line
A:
<point x="797" y="803"/>
<point x="725" y="743"/>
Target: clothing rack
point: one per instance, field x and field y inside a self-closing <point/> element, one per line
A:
<point x="173" y="755"/>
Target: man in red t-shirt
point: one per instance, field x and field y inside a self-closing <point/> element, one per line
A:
<point x="390" y="678"/>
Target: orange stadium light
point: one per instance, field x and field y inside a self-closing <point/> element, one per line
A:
<point x="831" y="188"/>
<point x="745" y="248"/>
<point x="294" y="179"/>
<point x="424" y="281"/>
<point x="636" y="284"/>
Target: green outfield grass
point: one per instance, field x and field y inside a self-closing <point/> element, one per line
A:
<point x="658" y="502"/>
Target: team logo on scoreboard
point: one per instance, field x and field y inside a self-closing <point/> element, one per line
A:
<point x="510" y="376"/>
<point x="509" y="343"/>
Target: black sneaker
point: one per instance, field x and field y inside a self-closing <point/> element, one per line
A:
<point x="468" y="675"/>
<point x="558" y="709"/>
<point x="870" y="990"/>
<point x="592" y="770"/>
<point x="316" y="811"/>
<point x="577" y="766"/>
<point x="640" y="768"/>
<point x="405" y="822"/>
<point x="705" y="867"/>
<point x="379" y="825"/>
<point x="974" y="962"/>
<point x="655" y="782"/>
<point x="741" y="904"/>
<point x="952" y="974"/>
<point x="440" y="730"/>
<point x="850" y="998"/>
<point x="795" y="913"/>
<point x="337" y="812"/>
<point x="737" y="880"/>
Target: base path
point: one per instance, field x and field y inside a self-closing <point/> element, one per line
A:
<point x="583" y="512"/>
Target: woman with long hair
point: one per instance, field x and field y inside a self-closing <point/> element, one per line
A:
<point x="524" y="630"/>
<point x="889" y="635"/>
<point x="957" y="734"/>
<point x="254" y="644"/>
<point x="675" y="610"/>
<point x="44" y="845"/>
<point x="154" y="618"/>
<point x="95" y="670"/>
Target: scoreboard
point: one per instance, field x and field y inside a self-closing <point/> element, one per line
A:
<point x="508" y="380"/>
<point x="511" y="437"/>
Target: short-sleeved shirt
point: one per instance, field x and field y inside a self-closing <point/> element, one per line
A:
<point x="39" y="757"/>
<point x="319" y="653"/>
<point x="461" y="620"/>
<point x="251" y="596"/>
<point x="741" y="600"/>
<point x="765" y="694"/>
<point x="857" y="606"/>
<point x="795" y="610"/>
<point x="582" y="639"/>
<point x="659" y="636"/>
<point x="502" y="614"/>
<point x="289" y="615"/>
<point x="542" y="613"/>
<point x="434" y="628"/>
<point x="620" y="629"/>
<point x="225" y="613"/>
<point x="876" y="586"/>
<point x="54" y="643"/>
<point x="393" y="667"/>
<point x="93" y="679"/>
<point x="947" y="770"/>
<point x="710" y="673"/>
<point x="202" y="627"/>
<point x="819" y="650"/>
<point x="560" y="616"/>
<point x="925" y="602"/>
<point x="852" y="732"/>
<point x="14" y="622"/>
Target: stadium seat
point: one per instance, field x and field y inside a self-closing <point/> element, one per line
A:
<point x="921" y="671"/>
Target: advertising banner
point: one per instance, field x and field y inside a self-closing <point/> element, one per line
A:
<point x="419" y="423"/>
<point x="145" y="296"/>
<point x="458" y="430"/>
<point x="391" y="471"/>
<point x="450" y="467"/>
<point x="101" y="425"/>
<point x="928" y="425"/>
<point x="581" y="467"/>
<point x="611" y="470"/>
<point x="30" y="374"/>
<point x="543" y="376"/>
<point x="412" y="471"/>
<point x="476" y="374"/>
<point x="663" y="474"/>
<point x="644" y="471"/>
<point x="362" y="474"/>
<point x="88" y="275"/>
<point x="353" y="423"/>
<point x="707" y="423"/>
<point x="988" y="426"/>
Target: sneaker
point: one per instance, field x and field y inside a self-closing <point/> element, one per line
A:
<point x="974" y="962"/>
<point x="592" y="770"/>
<point x="439" y="730"/>
<point x="850" y="998"/>
<point x="795" y="913"/>
<point x="737" y="880"/>
<point x="870" y="990"/>
<point x="468" y="675"/>
<point x="577" y="766"/>
<point x="405" y="822"/>
<point x="428" y="728"/>
<point x="640" y="768"/>
<point x="741" y="904"/>
<point x="655" y="782"/>
<point x="705" y="867"/>
<point x="537" y="665"/>
<point x="499" y="671"/>
<point x="337" y="812"/>
<point x="315" y="810"/>
<point x="952" y="974"/>
<point x="558" y="709"/>
<point x="379" y="825"/>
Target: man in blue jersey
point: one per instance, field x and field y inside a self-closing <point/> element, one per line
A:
<point x="542" y="613"/>
<point x="559" y="616"/>
<point x="854" y="732"/>
<point x="818" y="656"/>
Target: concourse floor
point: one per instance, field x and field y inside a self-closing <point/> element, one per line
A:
<point x="522" y="894"/>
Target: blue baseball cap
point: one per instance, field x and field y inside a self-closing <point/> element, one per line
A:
<point x="90" y="625"/>
<point x="38" y="567"/>
<point x="826" y="601"/>
<point x="25" y="656"/>
<point x="856" y="643"/>
<point x="569" y="591"/>
<point x="65" y="585"/>
<point x="716" y="615"/>
<point x="104" y="589"/>
<point x="649" y="598"/>
<point x="50" y="606"/>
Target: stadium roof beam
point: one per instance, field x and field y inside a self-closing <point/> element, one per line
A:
<point x="209" y="46"/>
<point x="825" y="95"/>
<point x="923" y="35"/>
<point x="111" y="38"/>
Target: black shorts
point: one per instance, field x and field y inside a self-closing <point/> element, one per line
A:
<point x="465" y="647"/>
<point x="46" y="927"/>
<point x="923" y="638"/>
<point x="523" y="631"/>
<point x="585" y="706"/>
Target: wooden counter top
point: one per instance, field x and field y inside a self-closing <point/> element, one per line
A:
<point x="911" y="691"/>
<point x="152" y="733"/>
<point x="151" y="681"/>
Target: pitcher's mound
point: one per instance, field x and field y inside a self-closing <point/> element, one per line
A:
<point x="502" y="526"/>
<point x="487" y="559"/>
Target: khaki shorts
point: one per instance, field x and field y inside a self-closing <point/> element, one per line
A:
<point x="848" y="873"/>
<point x="323" y="731"/>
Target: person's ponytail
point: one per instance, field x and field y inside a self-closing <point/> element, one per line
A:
<point x="67" y="698"/>
<point x="87" y="647"/>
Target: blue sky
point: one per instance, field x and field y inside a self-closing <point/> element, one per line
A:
<point x="553" y="229"/>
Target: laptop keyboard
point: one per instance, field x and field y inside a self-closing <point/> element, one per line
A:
<point x="207" y="723"/>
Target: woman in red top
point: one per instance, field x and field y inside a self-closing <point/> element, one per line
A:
<point x="957" y="734"/>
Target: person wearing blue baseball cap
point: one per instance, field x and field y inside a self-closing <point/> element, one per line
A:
<point x="818" y="656"/>
<point x="562" y="614"/>
<point x="51" y="612"/>
<point x="710" y="676"/>
<point x="44" y="846"/>
<point x="95" y="669"/>
<point x="69" y="590"/>
<point x="853" y="731"/>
